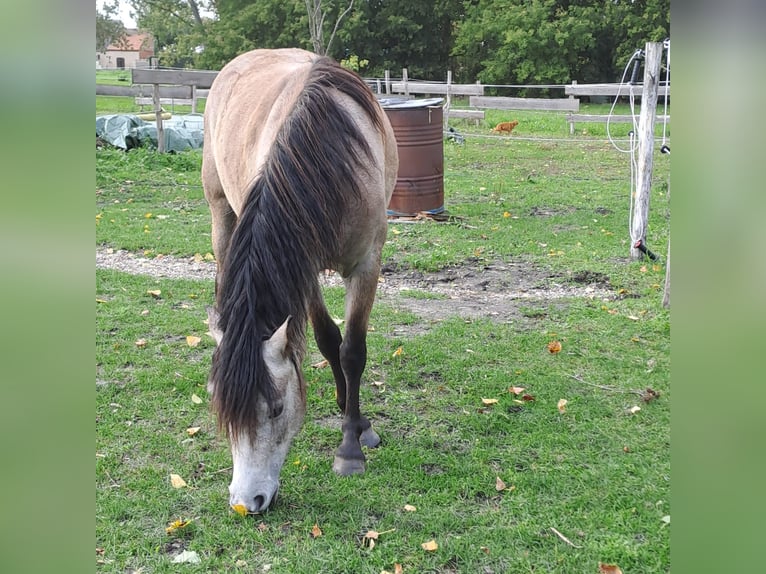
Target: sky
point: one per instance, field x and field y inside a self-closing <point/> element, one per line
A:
<point x="123" y="14"/>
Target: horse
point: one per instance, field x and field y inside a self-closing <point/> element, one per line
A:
<point x="299" y="164"/>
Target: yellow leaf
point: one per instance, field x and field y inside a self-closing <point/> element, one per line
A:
<point x="410" y="508"/>
<point x="561" y="405"/>
<point x="209" y="257"/>
<point x="316" y="532"/>
<point x="633" y="410"/>
<point x="177" y="525"/>
<point x="196" y="400"/>
<point x="198" y="258"/>
<point x="506" y="214"/>
<point x="320" y="365"/>
<point x="148" y="216"/>
<point x="554" y="347"/>
<point x="192" y="341"/>
<point x="176" y="481"/>
<point x="154" y="292"/>
<point x="141" y="343"/>
<point x="240" y="509"/>
<point x="191" y="431"/>
<point x="488" y="402"/>
<point x="516" y="390"/>
<point x="608" y="568"/>
<point x="429" y="546"/>
<point x="398" y="352"/>
<point x="100" y="300"/>
<point x="499" y="484"/>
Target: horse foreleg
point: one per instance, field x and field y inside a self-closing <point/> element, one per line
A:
<point x="328" y="339"/>
<point x="357" y="430"/>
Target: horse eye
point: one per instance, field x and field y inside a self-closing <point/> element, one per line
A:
<point x="277" y="410"/>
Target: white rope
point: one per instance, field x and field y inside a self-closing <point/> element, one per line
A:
<point x="632" y="107"/>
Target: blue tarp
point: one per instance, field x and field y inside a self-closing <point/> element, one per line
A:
<point x="128" y="131"/>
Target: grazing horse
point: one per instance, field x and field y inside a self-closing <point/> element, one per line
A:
<point x="299" y="165"/>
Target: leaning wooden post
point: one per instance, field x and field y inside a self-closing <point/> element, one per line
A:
<point x="158" y="118"/>
<point x="640" y="217"/>
<point x="449" y="99"/>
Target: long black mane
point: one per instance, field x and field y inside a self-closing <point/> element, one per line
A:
<point x="286" y="234"/>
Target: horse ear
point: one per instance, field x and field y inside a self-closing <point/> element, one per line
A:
<point x="275" y="347"/>
<point x="212" y="323"/>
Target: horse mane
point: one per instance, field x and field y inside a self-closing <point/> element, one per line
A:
<point x="286" y="234"/>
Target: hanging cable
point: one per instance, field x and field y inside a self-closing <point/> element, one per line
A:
<point x="635" y="61"/>
<point x="666" y="148"/>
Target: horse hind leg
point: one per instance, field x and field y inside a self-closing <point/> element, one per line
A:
<point x="357" y="430"/>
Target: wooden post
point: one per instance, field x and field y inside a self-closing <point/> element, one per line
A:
<point x="377" y="86"/>
<point x="404" y="81"/>
<point x="640" y="217"/>
<point x="388" y="83"/>
<point x="194" y="98"/>
<point x="158" y="118"/>
<point x="571" y="124"/>
<point x="449" y="99"/>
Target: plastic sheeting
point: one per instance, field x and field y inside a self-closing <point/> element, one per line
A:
<point x="128" y="131"/>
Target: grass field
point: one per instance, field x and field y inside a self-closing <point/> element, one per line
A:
<point x="492" y="483"/>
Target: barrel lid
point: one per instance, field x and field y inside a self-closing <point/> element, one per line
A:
<point x="399" y="103"/>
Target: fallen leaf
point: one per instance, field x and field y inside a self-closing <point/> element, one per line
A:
<point x="609" y="568"/>
<point x="626" y="449"/>
<point x="154" y="292"/>
<point x="554" y="347"/>
<point x="192" y="341"/>
<point x="527" y="398"/>
<point x="177" y="525"/>
<point x="188" y="556"/>
<point x="484" y="549"/>
<point x="240" y="563"/>
<point x="240" y="509"/>
<point x="191" y="431"/>
<point x="263" y="527"/>
<point x="666" y="519"/>
<point x="176" y="481"/>
<point x="369" y="538"/>
<point x="397" y="568"/>
<point x="398" y="352"/>
<point x="429" y="546"/>
<point x="145" y="312"/>
<point x="410" y="508"/>
<point x="488" y="402"/>
<point x="516" y="390"/>
<point x="196" y="400"/>
<point x="316" y="532"/>
<point x="634" y="409"/>
<point x="320" y="365"/>
<point x="561" y="405"/>
<point x="141" y="343"/>
<point x="499" y="484"/>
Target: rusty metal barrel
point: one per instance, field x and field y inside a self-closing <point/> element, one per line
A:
<point x="419" y="139"/>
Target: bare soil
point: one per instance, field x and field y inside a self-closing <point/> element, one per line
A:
<point x="499" y="291"/>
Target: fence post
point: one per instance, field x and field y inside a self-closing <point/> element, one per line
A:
<point x="158" y="118"/>
<point x="404" y="81"/>
<point x="571" y="124"/>
<point x="388" y="83"/>
<point x="194" y="98"/>
<point x="449" y="99"/>
<point x="646" y="119"/>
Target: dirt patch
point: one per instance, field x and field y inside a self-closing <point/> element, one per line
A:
<point x="499" y="291"/>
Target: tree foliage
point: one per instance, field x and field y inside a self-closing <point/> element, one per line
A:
<point x="492" y="41"/>
<point x="108" y="28"/>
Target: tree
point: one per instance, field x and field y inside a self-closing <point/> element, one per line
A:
<point x="316" y="17"/>
<point x="108" y="29"/>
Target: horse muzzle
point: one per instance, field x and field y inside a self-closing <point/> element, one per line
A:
<point x="257" y="499"/>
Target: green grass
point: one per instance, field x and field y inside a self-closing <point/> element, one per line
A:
<point x="443" y="449"/>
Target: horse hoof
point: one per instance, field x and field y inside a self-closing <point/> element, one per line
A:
<point x="369" y="438"/>
<point x="348" y="466"/>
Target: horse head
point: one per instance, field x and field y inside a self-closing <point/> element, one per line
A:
<point x="258" y="453"/>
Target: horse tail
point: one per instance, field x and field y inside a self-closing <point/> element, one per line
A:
<point x="286" y="234"/>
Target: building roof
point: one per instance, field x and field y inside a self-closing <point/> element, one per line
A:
<point x="132" y="42"/>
